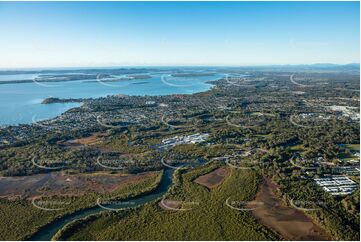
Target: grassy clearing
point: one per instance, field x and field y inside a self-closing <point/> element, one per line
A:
<point x="298" y="148"/>
<point x="350" y="149"/>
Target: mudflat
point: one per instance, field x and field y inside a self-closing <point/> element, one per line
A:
<point x="288" y="222"/>
<point x="58" y="183"/>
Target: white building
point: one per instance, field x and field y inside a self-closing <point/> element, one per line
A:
<point x="337" y="185"/>
<point x="190" y="139"/>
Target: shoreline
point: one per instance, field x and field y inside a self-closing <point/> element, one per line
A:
<point x="83" y="101"/>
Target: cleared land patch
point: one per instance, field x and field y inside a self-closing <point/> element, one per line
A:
<point x="57" y="183"/>
<point x="214" y="178"/>
<point x="85" y="141"/>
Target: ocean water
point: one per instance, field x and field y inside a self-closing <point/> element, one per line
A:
<point x="21" y="103"/>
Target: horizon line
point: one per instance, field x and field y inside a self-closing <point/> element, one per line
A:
<point x="175" y="65"/>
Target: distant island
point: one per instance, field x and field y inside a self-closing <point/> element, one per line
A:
<point x="123" y="78"/>
<point x="51" y="100"/>
<point x="139" y="83"/>
<point x="192" y="74"/>
<point x="57" y="78"/>
<point x="78" y="77"/>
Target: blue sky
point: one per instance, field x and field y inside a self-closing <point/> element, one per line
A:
<point x="53" y="34"/>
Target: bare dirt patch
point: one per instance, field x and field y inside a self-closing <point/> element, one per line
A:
<point x="289" y="223"/>
<point x="214" y="178"/>
<point x="58" y="183"/>
<point x="81" y="142"/>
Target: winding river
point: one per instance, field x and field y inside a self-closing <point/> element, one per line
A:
<point x="48" y="231"/>
<point x="285" y="221"/>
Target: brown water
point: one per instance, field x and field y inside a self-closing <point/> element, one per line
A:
<point x="287" y="222"/>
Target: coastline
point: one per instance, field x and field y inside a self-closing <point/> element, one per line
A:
<point x="90" y="91"/>
<point x="210" y="84"/>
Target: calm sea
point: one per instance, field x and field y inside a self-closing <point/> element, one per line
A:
<point x="21" y="103"/>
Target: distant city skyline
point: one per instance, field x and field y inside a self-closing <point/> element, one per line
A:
<point x="103" y="34"/>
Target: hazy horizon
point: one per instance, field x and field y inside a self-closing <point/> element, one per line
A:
<point x="167" y="66"/>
